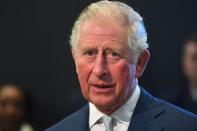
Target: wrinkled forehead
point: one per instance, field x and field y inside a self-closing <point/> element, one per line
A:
<point x="104" y="26"/>
<point x="105" y="34"/>
<point x="101" y="27"/>
<point x="106" y="19"/>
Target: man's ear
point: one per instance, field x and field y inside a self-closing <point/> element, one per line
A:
<point x="141" y="63"/>
<point x="73" y="53"/>
<point x="75" y="58"/>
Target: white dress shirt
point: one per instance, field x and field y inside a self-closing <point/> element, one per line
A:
<point x="121" y="117"/>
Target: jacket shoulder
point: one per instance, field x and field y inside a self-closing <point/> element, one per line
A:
<point x="164" y="114"/>
<point x="178" y="118"/>
<point x="176" y="111"/>
<point x="67" y="122"/>
<point x="152" y="102"/>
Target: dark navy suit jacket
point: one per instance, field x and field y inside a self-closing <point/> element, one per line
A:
<point x="150" y="114"/>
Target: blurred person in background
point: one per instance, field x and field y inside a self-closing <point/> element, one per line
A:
<point x="188" y="98"/>
<point x="13" y="108"/>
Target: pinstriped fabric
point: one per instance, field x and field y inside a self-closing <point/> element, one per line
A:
<point x="107" y="120"/>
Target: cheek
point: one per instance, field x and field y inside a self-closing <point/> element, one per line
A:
<point x="124" y="74"/>
<point x="84" y="71"/>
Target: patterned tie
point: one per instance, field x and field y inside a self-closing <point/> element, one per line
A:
<point x="107" y="120"/>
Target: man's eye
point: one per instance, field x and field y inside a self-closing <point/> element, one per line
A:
<point x="113" y="55"/>
<point x="90" y="53"/>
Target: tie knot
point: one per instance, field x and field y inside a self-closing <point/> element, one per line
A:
<point x="107" y="120"/>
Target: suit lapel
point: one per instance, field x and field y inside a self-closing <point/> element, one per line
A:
<point x="81" y="123"/>
<point x="146" y="114"/>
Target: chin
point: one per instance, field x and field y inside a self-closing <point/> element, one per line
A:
<point x="103" y="102"/>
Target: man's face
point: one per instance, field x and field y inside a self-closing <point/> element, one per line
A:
<point x="104" y="64"/>
<point x="11" y="108"/>
<point x="190" y="62"/>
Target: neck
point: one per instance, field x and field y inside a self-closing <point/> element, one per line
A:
<point x="112" y="108"/>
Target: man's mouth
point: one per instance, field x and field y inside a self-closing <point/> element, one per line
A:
<point x="102" y="88"/>
<point x="103" y="85"/>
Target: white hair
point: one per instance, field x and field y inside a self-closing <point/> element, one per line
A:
<point x="137" y="38"/>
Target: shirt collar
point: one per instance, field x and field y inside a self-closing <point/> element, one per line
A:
<point x="95" y="115"/>
<point x="123" y="114"/>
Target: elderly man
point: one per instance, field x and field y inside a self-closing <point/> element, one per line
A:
<point x="109" y="46"/>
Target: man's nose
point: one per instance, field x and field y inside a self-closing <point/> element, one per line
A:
<point x="100" y="66"/>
